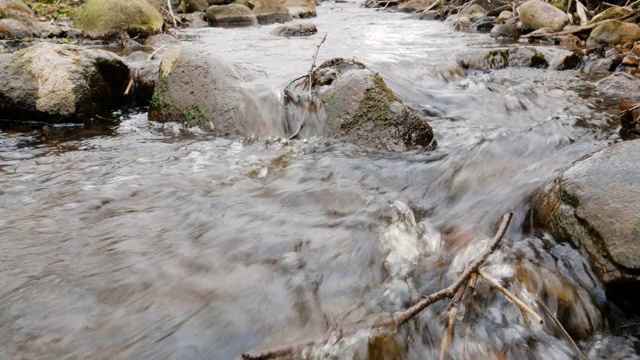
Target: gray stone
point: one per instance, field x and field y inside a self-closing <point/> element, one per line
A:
<point x="271" y="11"/>
<point x="535" y="14"/>
<point x="503" y="58"/>
<point x="161" y="40"/>
<point x="504" y="15"/>
<point x="595" y="205"/>
<point x="60" y="83"/>
<point x="296" y="28"/>
<point x="195" y="5"/>
<point x="430" y="15"/>
<point x="231" y="15"/>
<point x="203" y="91"/>
<point x="506" y="32"/>
<point x="301" y="9"/>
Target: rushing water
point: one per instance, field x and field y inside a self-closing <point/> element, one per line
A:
<point x="133" y="240"/>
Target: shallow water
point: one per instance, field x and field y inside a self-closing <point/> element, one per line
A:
<point x="133" y="240"/>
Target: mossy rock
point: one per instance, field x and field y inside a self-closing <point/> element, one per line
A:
<point x="354" y="104"/>
<point x="108" y="18"/>
<point x="613" y="32"/>
<point x="232" y="15"/>
<point x="614" y="12"/>
<point x="15" y="9"/>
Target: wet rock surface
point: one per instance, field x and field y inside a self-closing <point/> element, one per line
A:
<point x="296" y="28"/>
<point x="203" y="92"/>
<point x="613" y="32"/>
<point x="595" y="205"/>
<point x="231" y="15"/>
<point x="354" y="104"/>
<point x="536" y="14"/>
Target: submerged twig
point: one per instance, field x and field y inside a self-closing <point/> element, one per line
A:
<point x="398" y="318"/>
<point x="562" y="329"/>
<point x="155" y="52"/>
<point x="453" y="312"/>
<point x="534" y="316"/>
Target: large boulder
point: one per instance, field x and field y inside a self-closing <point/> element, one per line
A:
<point x="231" y="15"/>
<point x="301" y="9"/>
<point x="535" y="14"/>
<point x="108" y="18"/>
<point x="203" y="91"/>
<point x="60" y="83"/>
<point x="354" y="104"/>
<point x="271" y="11"/>
<point x="595" y="205"/>
<point x="613" y="32"/>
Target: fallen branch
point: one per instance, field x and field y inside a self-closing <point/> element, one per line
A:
<point x="510" y="296"/>
<point x="155" y="52"/>
<point x="562" y="329"/>
<point x="130" y="85"/>
<point x="398" y="318"/>
<point x="173" y="17"/>
<point x="627" y="111"/>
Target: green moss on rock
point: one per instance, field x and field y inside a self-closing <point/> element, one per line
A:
<point x="107" y="18"/>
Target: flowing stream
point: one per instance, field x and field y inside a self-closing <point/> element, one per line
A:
<point x="132" y="240"/>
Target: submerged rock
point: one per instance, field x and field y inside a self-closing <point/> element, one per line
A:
<point x="296" y="28"/>
<point x="231" y="15"/>
<point x="535" y="14"/>
<point x="354" y="104"/>
<point x="595" y="205"/>
<point x="271" y="11"/>
<point x="161" y="40"/>
<point x="60" y="83"/>
<point x="108" y="18"/>
<point x="430" y="15"/>
<point x="203" y="91"/>
<point x="502" y="58"/>
<point x="506" y="32"/>
<point x="613" y="32"/>
<point x="301" y="9"/>
<point x="620" y="83"/>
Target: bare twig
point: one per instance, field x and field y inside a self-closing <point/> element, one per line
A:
<point x="155" y="52"/>
<point x="398" y="318"/>
<point x="130" y="85"/>
<point x="535" y="317"/>
<point x="582" y="13"/>
<point x="310" y="84"/>
<point x="562" y="329"/>
<point x="173" y="17"/>
<point x="453" y="312"/>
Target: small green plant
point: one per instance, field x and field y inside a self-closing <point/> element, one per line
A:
<point x="195" y="117"/>
<point x="558" y="5"/>
<point x="67" y="41"/>
<point x="156" y="101"/>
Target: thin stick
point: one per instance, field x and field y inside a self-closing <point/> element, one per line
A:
<point x="155" y="52"/>
<point x="629" y="110"/>
<point x="310" y="76"/>
<point x="562" y="329"/>
<point x="535" y="317"/>
<point x="453" y="312"/>
<point x="313" y="65"/>
<point x="129" y="86"/>
<point x="398" y="318"/>
<point x="173" y="17"/>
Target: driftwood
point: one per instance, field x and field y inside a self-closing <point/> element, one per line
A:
<point x="398" y="318"/>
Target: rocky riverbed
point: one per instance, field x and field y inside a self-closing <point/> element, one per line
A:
<point x="198" y="192"/>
